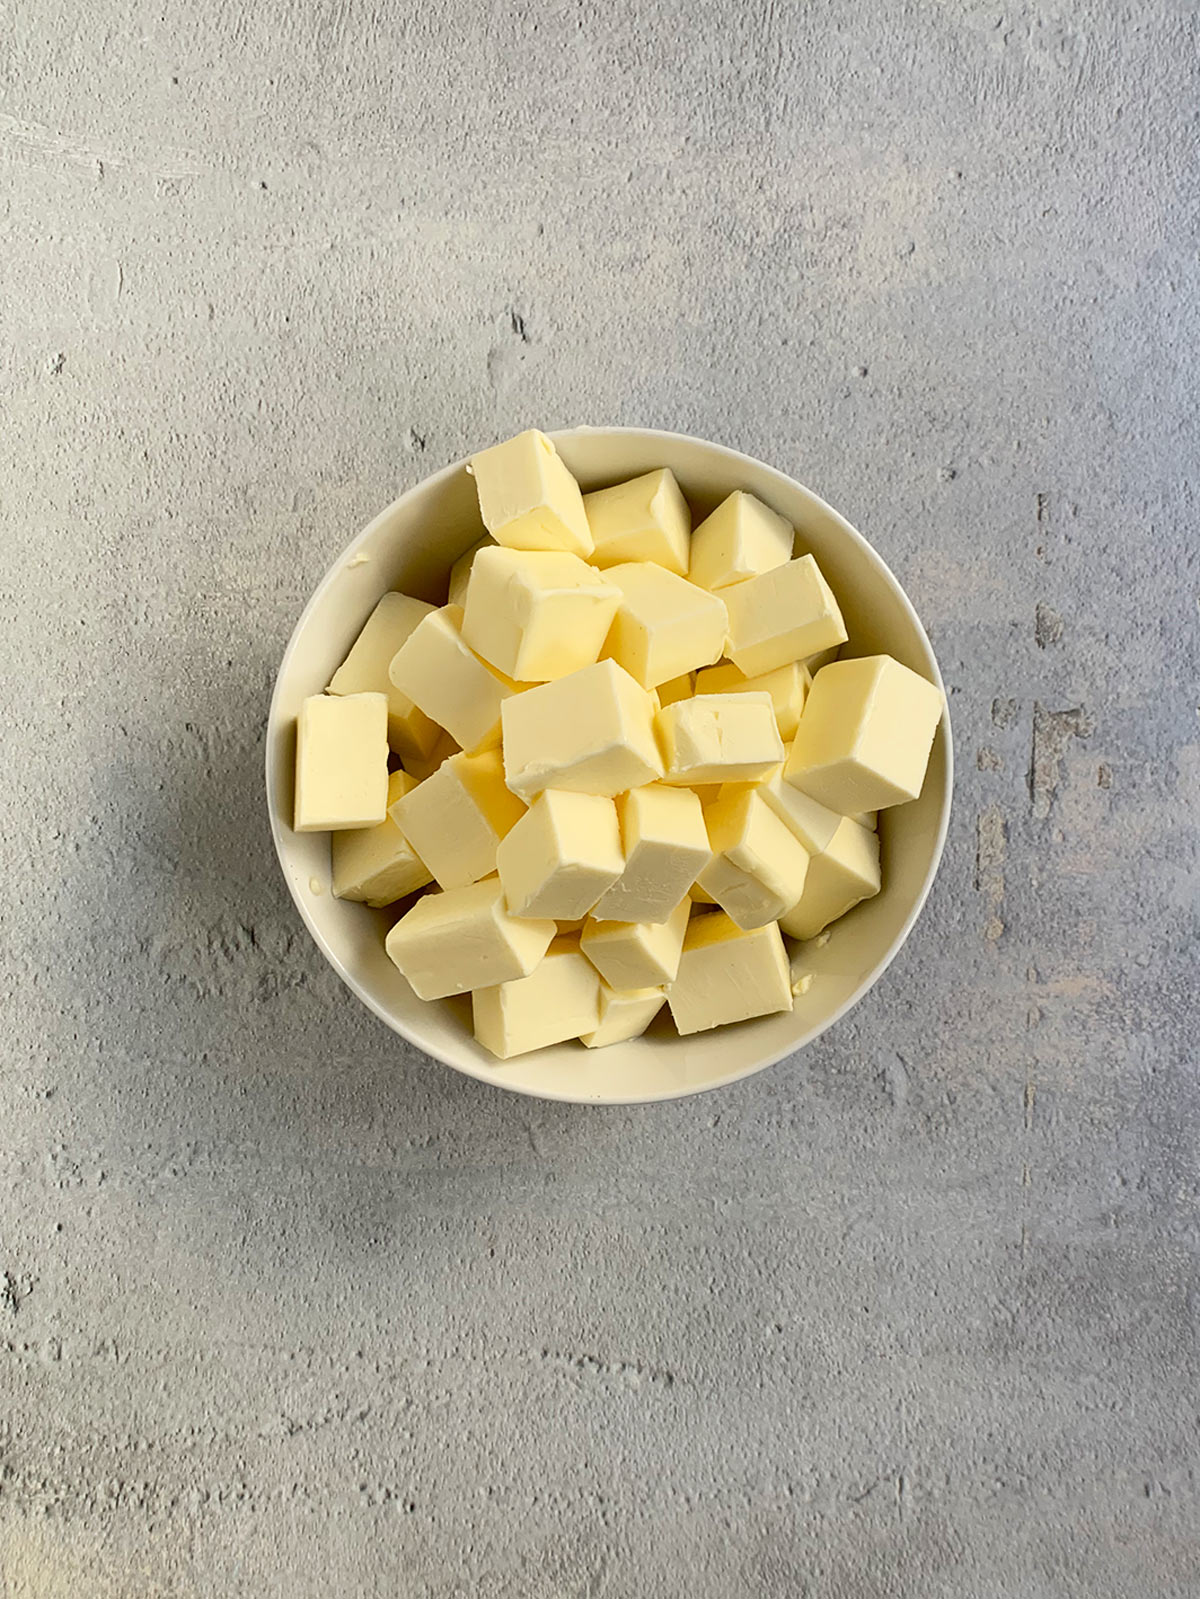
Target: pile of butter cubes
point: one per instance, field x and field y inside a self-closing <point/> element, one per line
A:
<point x="625" y="753"/>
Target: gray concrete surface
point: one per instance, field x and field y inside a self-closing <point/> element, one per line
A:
<point x="290" y="1311"/>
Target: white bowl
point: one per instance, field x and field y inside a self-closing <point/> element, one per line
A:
<point x="410" y="546"/>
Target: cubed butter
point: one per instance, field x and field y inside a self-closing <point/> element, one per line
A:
<point x="442" y="675"/>
<point x="528" y="499"/>
<point x="787" y="685"/>
<point x="758" y="866"/>
<point x="464" y="938"/>
<point x="460" y="572"/>
<point x="741" y="539"/>
<point x="561" y="855"/>
<point x="560" y="999"/>
<point x="341" y="762"/>
<point x="786" y="614"/>
<point x="864" y="740"/>
<point x="665" y="847"/>
<point x="457" y="817"/>
<point x="845" y="872"/>
<point x="377" y="865"/>
<point x="624" y="1014"/>
<point x="805" y="818"/>
<point x="675" y="688"/>
<point x="636" y="954"/>
<point x="365" y="671"/>
<point x="537" y="614"/>
<point x="591" y="732"/>
<point x="728" y="975"/>
<point x="646" y="519"/>
<point x="719" y="738"/>
<point x="423" y="766"/>
<point x="664" y="625"/>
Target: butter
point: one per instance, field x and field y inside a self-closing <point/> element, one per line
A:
<point x="624" y="1014"/>
<point x="460" y="572"/>
<point x="442" y="675"/>
<point x="787" y="685"/>
<point x="664" y="625"/>
<point x="741" y="539"/>
<point x="805" y="818"/>
<point x="674" y="689"/>
<point x="463" y="938"/>
<point x="719" y="738"/>
<point x="786" y="614"/>
<point x="646" y="519"/>
<point x="456" y="818"/>
<point x="665" y="847"/>
<point x="423" y="766"/>
<point x="591" y="732"/>
<point x="341" y="762"/>
<point x="559" y="1000"/>
<point x="365" y="671"/>
<point x="636" y="954"/>
<point x="377" y="865"/>
<point x="561" y="855"/>
<point x="864" y="740"/>
<point x="844" y="873"/>
<point x="758" y="866"/>
<point x="728" y="975"/>
<point x="528" y="499"/>
<point x="537" y="614"/>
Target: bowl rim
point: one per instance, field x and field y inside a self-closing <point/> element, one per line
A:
<point x="738" y="1073"/>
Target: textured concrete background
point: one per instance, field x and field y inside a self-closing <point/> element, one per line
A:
<point x="287" y="1310"/>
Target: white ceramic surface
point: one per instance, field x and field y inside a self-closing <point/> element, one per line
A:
<point x="410" y="546"/>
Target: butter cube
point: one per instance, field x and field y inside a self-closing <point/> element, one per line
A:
<point x="377" y="865"/>
<point x="845" y="872"/>
<point x="863" y="742"/>
<point x="636" y="954"/>
<point x="646" y="519"/>
<point x="664" y="625"/>
<point x="591" y="732"/>
<point x="742" y="538"/>
<point x="463" y="938"/>
<point x="624" y="1014"/>
<point x="787" y="685"/>
<point x="558" y="1000"/>
<point x="442" y="675"/>
<point x="665" y="846"/>
<point x="457" y="817"/>
<point x="423" y="766"/>
<point x="528" y="499"/>
<point x="537" y="614"/>
<point x="699" y="896"/>
<point x="365" y="671"/>
<point x="786" y="614"/>
<point x="728" y="975"/>
<point x="805" y="818"/>
<point x="674" y="689"/>
<point x="561" y="855"/>
<point x="460" y="572"/>
<point x="341" y="762"/>
<point x="719" y="738"/>
<point x="758" y="866"/>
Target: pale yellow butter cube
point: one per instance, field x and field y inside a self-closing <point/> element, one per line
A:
<point x="457" y="817"/>
<point x="786" y="614"/>
<point x="719" y="738"/>
<point x="365" y="671"/>
<point x="664" y="626"/>
<point x="728" y="975"/>
<point x="537" y="614"/>
<point x="675" y="689"/>
<point x="646" y="519"/>
<point x="636" y="954"/>
<point x="624" y="1014"/>
<point x="812" y="823"/>
<point x="442" y="675"/>
<point x="377" y="865"/>
<point x="464" y="938"/>
<point x="665" y="846"/>
<point x="561" y="855"/>
<point x="845" y="872"/>
<point x="341" y="762"/>
<point x="787" y="685"/>
<point x="460" y="572"/>
<point x="742" y="538"/>
<point x="528" y="499"/>
<point x="560" y="999"/>
<point x="423" y="766"/>
<point x="591" y="732"/>
<point x="758" y="866"/>
<point x="864" y="740"/>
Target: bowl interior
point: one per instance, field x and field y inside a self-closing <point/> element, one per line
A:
<point x="410" y="546"/>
